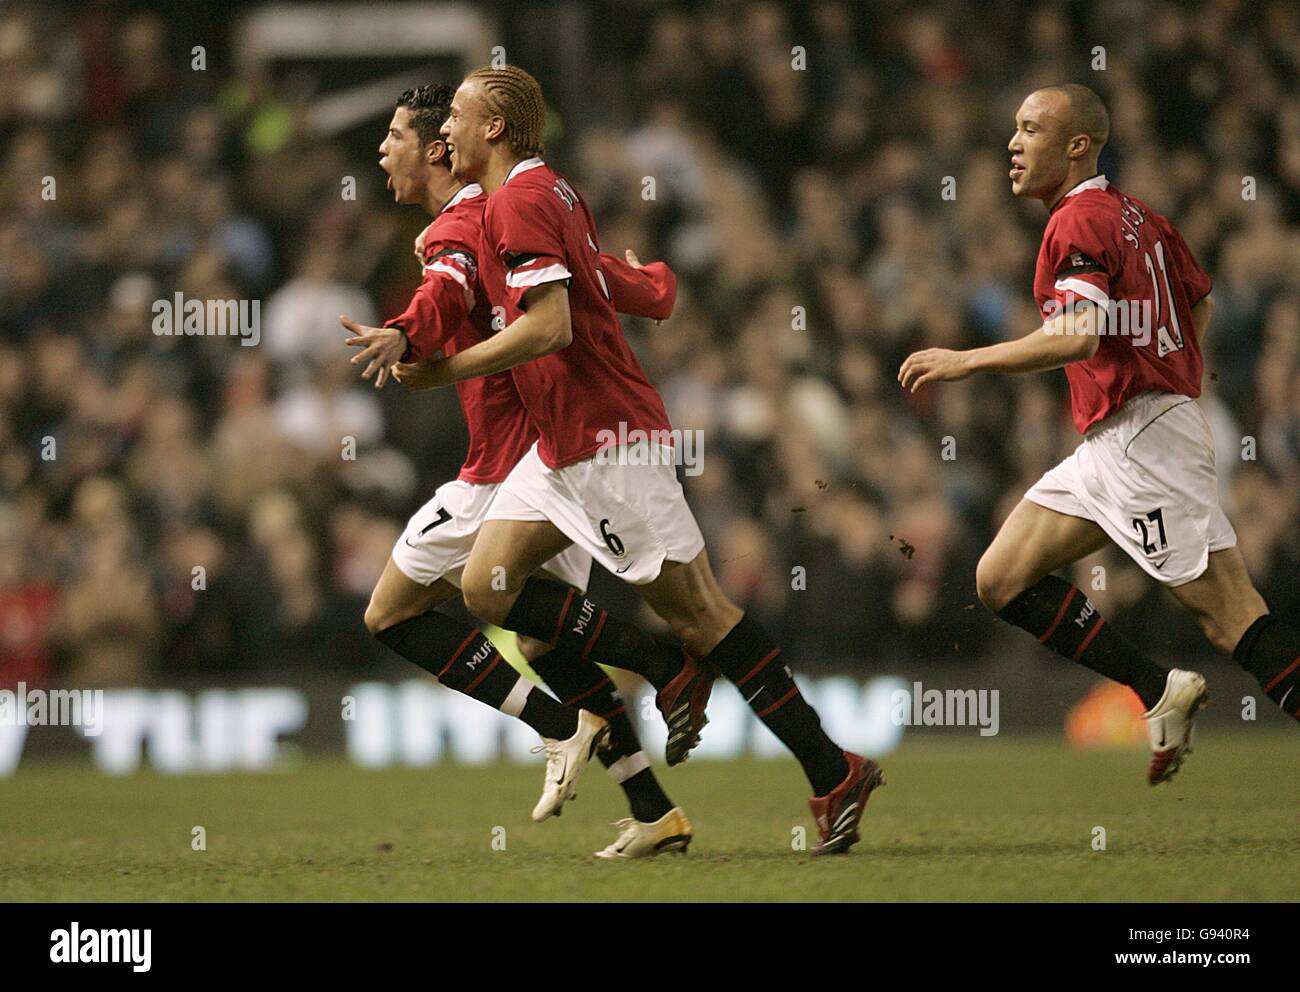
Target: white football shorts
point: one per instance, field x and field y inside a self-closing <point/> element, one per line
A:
<point x="623" y="506"/>
<point x="1145" y="475"/>
<point x="439" y="537"/>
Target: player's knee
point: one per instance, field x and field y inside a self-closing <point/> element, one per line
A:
<point x="1223" y="621"/>
<point x="1217" y="633"/>
<point x="689" y="633"/>
<point x="992" y="584"/>
<point x="702" y="628"/>
<point x="1216" y="636"/>
<point x="380" y="616"/>
<point x="488" y="604"/>
<point x="377" y="618"/>
<point x="531" y="648"/>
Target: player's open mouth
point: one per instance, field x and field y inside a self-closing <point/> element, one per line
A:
<point x="1016" y="171"/>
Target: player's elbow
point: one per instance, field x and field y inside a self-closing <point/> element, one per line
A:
<point x="544" y="336"/>
<point x="1073" y="346"/>
<point x="559" y="334"/>
<point x="1079" y="333"/>
<point x="1085" y="346"/>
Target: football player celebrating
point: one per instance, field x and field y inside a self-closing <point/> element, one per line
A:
<point x="1125" y="307"/>
<point x="450" y="312"/>
<point x="580" y="485"/>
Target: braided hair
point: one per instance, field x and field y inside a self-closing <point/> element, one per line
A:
<point x="514" y="95"/>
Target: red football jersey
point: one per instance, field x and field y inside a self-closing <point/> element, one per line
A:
<point x="536" y="229"/>
<point x="450" y="311"/>
<point x="1112" y="249"/>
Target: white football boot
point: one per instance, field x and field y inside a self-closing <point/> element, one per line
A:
<point x="671" y="832"/>
<point x="1169" y="723"/>
<point x="565" y="761"/>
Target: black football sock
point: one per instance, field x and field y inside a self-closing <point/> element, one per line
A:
<point x="1064" y="619"/>
<point x="563" y="617"/>
<point x="464" y="660"/>
<point x="748" y="658"/>
<point x="579" y="682"/>
<point x="1270" y="651"/>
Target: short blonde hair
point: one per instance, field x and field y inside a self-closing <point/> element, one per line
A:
<point x="516" y="96"/>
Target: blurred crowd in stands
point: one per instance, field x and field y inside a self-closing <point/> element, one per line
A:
<point x="177" y="506"/>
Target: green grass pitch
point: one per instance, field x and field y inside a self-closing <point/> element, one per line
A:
<point x="961" y="819"/>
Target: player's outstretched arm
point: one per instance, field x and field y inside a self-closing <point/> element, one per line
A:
<point x="640" y="290"/>
<point x="440" y="305"/>
<point x="544" y="328"/>
<point x="1069" y="337"/>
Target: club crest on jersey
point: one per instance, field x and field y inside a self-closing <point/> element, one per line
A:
<point x="456" y="262"/>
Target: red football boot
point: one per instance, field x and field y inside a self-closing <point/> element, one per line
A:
<point x="682" y="702"/>
<point x="839" y="812"/>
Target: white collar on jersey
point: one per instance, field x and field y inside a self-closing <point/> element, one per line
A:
<point x="524" y="166"/>
<point x="464" y="193"/>
<point x="1096" y="182"/>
